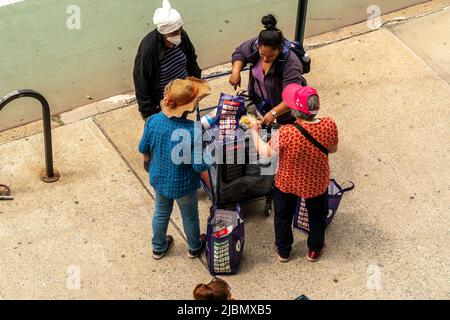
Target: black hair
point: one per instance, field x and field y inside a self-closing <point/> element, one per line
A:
<point x="271" y="36"/>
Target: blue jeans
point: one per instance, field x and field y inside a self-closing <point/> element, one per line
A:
<point x="188" y="205"/>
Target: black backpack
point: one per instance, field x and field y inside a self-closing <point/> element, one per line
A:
<point x="297" y="49"/>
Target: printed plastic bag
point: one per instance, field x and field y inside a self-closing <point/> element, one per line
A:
<point x="225" y="240"/>
<point x="335" y="194"/>
<point x="229" y="112"/>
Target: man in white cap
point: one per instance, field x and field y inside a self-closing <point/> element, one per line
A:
<point x="165" y="54"/>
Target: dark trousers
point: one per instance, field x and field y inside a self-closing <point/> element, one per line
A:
<point x="285" y="206"/>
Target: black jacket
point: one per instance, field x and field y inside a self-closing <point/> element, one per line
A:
<point x="146" y="70"/>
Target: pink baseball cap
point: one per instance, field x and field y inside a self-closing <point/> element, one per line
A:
<point x="296" y="97"/>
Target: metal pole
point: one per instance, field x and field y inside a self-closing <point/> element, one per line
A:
<point x="302" y="10"/>
<point x="50" y="175"/>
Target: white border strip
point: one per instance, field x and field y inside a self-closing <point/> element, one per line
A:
<point x="8" y="2"/>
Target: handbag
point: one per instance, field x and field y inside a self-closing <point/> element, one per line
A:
<point x="263" y="105"/>
<point x="335" y="192"/>
<point x="225" y="240"/>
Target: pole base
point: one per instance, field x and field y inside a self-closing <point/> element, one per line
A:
<point x="5" y="190"/>
<point x="46" y="179"/>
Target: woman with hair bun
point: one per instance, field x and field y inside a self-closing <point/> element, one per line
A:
<point x="217" y="289"/>
<point x="271" y="71"/>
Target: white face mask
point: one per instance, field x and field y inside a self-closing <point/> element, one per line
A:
<point x="176" y="40"/>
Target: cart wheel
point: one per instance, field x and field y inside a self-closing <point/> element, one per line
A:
<point x="268" y="208"/>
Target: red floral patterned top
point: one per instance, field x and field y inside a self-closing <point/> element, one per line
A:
<point x="303" y="169"/>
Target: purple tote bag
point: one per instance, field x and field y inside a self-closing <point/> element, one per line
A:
<point x="225" y="240"/>
<point x="335" y="194"/>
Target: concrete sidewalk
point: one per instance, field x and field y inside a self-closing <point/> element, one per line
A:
<point x="388" y="91"/>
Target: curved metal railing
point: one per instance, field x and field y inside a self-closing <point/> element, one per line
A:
<point x="50" y="174"/>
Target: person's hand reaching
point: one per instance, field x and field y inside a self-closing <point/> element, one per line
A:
<point x="269" y="119"/>
<point x="255" y="125"/>
<point x="235" y="79"/>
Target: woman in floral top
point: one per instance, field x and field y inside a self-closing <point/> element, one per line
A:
<point x="303" y="170"/>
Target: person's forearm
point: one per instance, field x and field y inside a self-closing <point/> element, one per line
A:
<point x="149" y="110"/>
<point x="262" y="148"/>
<point x="282" y="108"/>
<point x="145" y="102"/>
<point x="237" y="66"/>
<point x="333" y="149"/>
<point x="142" y="85"/>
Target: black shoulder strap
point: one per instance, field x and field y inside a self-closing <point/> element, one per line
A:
<point x="255" y="46"/>
<point x="311" y="138"/>
<point x="281" y="62"/>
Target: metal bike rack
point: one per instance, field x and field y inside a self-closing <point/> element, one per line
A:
<point x="50" y="174"/>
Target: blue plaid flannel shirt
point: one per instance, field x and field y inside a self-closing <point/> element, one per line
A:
<point x="173" y="180"/>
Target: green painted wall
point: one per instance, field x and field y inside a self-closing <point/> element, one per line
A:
<point x="38" y="51"/>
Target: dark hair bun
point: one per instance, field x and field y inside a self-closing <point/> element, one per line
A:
<point x="269" y="21"/>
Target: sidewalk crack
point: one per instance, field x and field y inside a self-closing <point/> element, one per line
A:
<point x="144" y="185"/>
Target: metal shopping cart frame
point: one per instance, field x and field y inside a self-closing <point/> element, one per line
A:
<point x="222" y="171"/>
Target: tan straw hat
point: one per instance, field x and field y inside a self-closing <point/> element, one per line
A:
<point x="181" y="96"/>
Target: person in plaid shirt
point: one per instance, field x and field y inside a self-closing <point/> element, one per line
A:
<point x="175" y="165"/>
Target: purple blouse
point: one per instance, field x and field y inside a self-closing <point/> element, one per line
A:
<point x="259" y="76"/>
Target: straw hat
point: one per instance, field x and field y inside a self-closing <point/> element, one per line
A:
<point x="181" y="96"/>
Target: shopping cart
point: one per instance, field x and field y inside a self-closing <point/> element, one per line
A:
<point x="237" y="175"/>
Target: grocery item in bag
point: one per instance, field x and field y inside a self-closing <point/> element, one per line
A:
<point x="209" y="120"/>
<point x="246" y="121"/>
